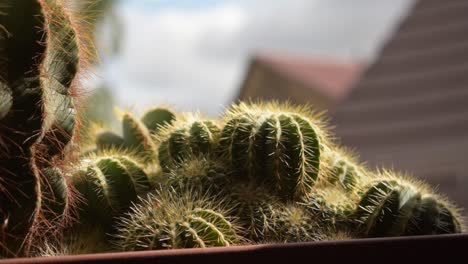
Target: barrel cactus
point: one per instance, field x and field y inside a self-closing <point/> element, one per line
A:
<point x="394" y="207"/>
<point x="190" y="135"/>
<point x="173" y="219"/>
<point x="345" y="172"/>
<point x="279" y="145"/>
<point x="40" y="55"/>
<point x="107" y="186"/>
<point x="205" y="174"/>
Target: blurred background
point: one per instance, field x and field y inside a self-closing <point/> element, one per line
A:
<point x="392" y="75"/>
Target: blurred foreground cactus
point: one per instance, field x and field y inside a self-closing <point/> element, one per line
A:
<point x="39" y="59"/>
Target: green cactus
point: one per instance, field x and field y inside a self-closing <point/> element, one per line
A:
<point x="255" y="206"/>
<point x="393" y="207"/>
<point x="174" y="219"/>
<point x="345" y="172"/>
<point x="190" y="135"/>
<point x="156" y="118"/>
<point x="137" y="134"/>
<point x="137" y="137"/>
<point x="331" y="208"/>
<point x="276" y="144"/>
<point x="108" y="185"/>
<point x="292" y="223"/>
<point x="39" y="59"/>
<point x="205" y="174"/>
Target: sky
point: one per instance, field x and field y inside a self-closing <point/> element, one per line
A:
<point x="193" y="55"/>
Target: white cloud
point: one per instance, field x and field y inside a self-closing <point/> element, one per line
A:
<point x="195" y="58"/>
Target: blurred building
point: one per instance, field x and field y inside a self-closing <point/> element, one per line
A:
<point x="407" y="110"/>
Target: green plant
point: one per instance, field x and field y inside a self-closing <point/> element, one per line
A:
<point x="108" y="185"/>
<point x="137" y="134"/>
<point x="331" y="208"/>
<point x="39" y="59"/>
<point x="345" y="171"/>
<point x="190" y="135"/>
<point x="394" y="207"/>
<point x="255" y="206"/>
<point x="205" y="174"/>
<point x="279" y="145"/>
<point x="173" y="219"/>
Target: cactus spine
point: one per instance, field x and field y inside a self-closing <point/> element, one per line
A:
<point x="391" y="207"/>
<point x="171" y="220"/>
<point x="39" y="59"/>
<point x="275" y="144"/>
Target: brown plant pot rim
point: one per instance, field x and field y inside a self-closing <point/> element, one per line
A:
<point x="441" y="247"/>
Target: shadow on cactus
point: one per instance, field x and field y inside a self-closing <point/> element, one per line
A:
<point x="173" y="219"/>
<point x="40" y="55"/>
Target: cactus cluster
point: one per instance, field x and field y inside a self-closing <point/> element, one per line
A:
<point x="263" y="172"/>
<point x="39" y="60"/>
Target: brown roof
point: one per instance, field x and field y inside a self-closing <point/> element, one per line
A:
<point x="332" y="79"/>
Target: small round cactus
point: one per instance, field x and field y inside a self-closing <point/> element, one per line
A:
<point x="191" y="135"/>
<point x="276" y="144"/>
<point x="205" y="174"/>
<point x="108" y="185"/>
<point x="344" y="170"/>
<point x="393" y="207"/>
<point x="292" y="223"/>
<point x="330" y="208"/>
<point x="156" y="118"/>
<point x="255" y="206"/>
<point x="174" y="219"/>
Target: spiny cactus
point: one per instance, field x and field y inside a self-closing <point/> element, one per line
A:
<point x="206" y="174"/>
<point x="173" y="219"/>
<point x="393" y="207"/>
<point x="137" y="134"/>
<point x="345" y="171"/>
<point x="39" y="59"/>
<point x="276" y="144"/>
<point x="292" y="223"/>
<point x="108" y="185"/>
<point x="190" y="135"/>
<point x="331" y="208"/>
<point x="158" y="117"/>
<point x="255" y="206"/>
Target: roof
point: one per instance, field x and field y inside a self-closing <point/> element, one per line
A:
<point x="333" y="79"/>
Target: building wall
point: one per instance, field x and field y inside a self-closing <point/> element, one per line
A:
<point x="262" y="82"/>
<point x="410" y="110"/>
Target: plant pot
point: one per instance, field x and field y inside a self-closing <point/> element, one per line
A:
<point x="401" y="249"/>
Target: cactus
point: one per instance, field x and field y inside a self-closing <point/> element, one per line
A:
<point x="345" y="172"/>
<point x="394" y="207"/>
<point x="137" y="134"/>
<point x="205" y="174"/>
<point x="331" y="208"/>
<point x="108" y="185"/>
<point x="190" y="135"/>
<point x="292" y="223"/>
<point x="173" y="219"/>
<point x="39" y="59"/>
<point x="156" y="118"/>
<point x="276" y="144"/>
<point x="254" y="206"/>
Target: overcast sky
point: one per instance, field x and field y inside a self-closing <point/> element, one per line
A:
<point x="193" y="54"/>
